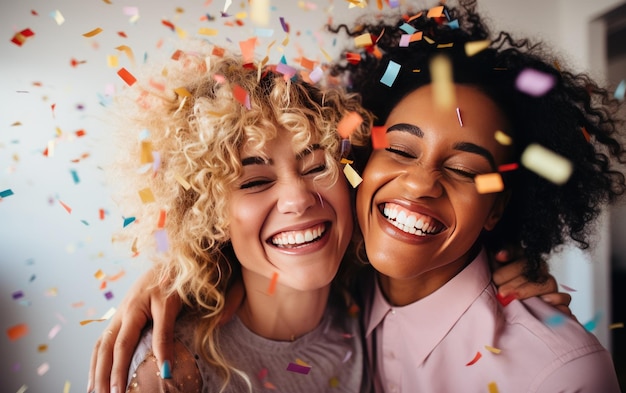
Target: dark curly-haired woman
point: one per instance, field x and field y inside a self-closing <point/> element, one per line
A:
<point x="487" y="142"/>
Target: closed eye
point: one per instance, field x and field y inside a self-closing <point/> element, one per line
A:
<point x="463" y="173"/>
<point x="318" y="169"/>
<point x="400" y="152"/>
<point x="254" y="183"/>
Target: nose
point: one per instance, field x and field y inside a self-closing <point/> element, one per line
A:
<point x="422" y="182"/>
<point x="296" y="197"/>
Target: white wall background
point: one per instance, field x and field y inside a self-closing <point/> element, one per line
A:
<point x="49" y="257"/>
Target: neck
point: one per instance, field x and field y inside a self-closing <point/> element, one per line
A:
<point x="283" y="315"/>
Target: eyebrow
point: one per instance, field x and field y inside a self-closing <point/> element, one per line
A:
<point x="461" y="146"/>
<point x="258" y="160"/>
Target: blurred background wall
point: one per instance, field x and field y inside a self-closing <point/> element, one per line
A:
<point x="58" y="265"/>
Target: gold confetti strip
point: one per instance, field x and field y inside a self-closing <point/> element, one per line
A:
<point x="493" y="349"/>
<point x="503" y="138"/>
<point x="93" y="32"/>
<point x="616" y="325"/>
<point x="443" y="84"/>
<point x="474" y="47"/>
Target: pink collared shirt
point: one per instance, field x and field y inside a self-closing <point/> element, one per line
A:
<point x="461" y="339"/>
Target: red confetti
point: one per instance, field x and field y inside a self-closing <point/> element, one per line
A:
<point x="478" y="356"/>
<point x="19" y="38"/>
<point x="126" y="76"/>
<point x="101" y="212"/>
<point x="122" y="34"/>
<point x="505" y="300"/>
<point x="66" y="207"/>
<point x="508" y="167"/>
<point x="18" y="331"/>
<point x="272" y="288"/>
<point x="168" y="24"/>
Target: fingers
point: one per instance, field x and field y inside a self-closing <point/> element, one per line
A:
<point x="125" y="343"/>
<point x="559" y="300"/>
<point x="506" y="274"/>
<point x="102" y="359"/>
<point x="164" y="315"/>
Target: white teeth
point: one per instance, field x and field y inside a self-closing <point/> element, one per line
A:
<point x="408" y="223"/>
<point x="298" y="237"/>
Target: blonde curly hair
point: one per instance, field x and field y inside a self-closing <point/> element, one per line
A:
<point x="180" y="130"/>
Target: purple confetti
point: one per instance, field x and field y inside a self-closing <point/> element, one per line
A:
<point x="534" y="83"/>
<point x="296" y="368"/>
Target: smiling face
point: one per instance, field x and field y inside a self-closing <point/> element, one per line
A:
<point x="418" y="207"/>
<point x="285" y="221"/>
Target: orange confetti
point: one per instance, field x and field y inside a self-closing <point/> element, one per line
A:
<point x="101" y="213"/>
<point x="435" y="12"/>
<point x="348" y="124"/>
<point x="66" y="207"/>
<point x="489" y="183"/>
<point x="122" y="34"/>
<point x="493" y="388"/>
<point x="126" y="76"/>
<point x="161" y="223"/>
<point x="272" y="287"/>
<point x="116" y="277"/>
<point x="247" y="49"/>
<point x="379" y="138"/>
<point x="80" y="133"/>
<point x="168" y="24"/>
<point x="18" y="331"/>
<point x="306" y="63"/>
<point x="478" y="356"/>
<point x="93" y="32"/>
<point x="86" y="321"/>
<point x="241" y="95"/>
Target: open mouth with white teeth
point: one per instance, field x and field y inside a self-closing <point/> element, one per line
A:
<point x="410" y="222"/>
<point x="294" y="239"/>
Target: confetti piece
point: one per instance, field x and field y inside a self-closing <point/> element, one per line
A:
<point x="128" y="51"/>
<point x="442" y="83"/>
<point x="66" y="207"/>
<point x="42" y="348"/>
<point x="435" y="12"/>
<point x="379" y="137"/>
<point x="567" y="288"/>
<point x="21" y="37"/>
<point x="505" y="300"/>
<point x="207" y="31"/>
<point x="41" y="370"/>
<point x="260" y="12"/>
<point x="333" y="382"/>
<point x="22" y="389"/>
<point x="352" y="176"/>
<point x="126" y="76"/>
<point x="458" y="116"/>
<point x="363" y="40"/>
<point x="489" y="183"/>
<point x="296" y="368"/>
<point x="146" y="195"/>
<point x="75" y="177"/>
<point x="284" y="24"/>
<point x="547" y="164"/>
<point x="184" y="183"/>
<point x="620" y="91"/>
<point x="554" y="320"/>
<point x="508" y="167"/>
<point x="6" y="193"/>
<point x="242" y="96"/>
<point x="17" y="331"/>
<point x="390" y="73"/>
<point x="108" y="295"/>
<point x="592" y="324"/>
<point x="128" y="221"/>
<point x="272" y="287"/>
<point x="161" y="223"/>
<point x="616" y="325"/>
<point x="99" y="275"/>
<point x="492" y="349"/>
<point x="286" y="70"/>
<point x="348" y="124"/>
<point x="161" y="240"/>
<point x="58" y="17"/>
<point x="93" y="32"/>
<point x="17" y="295"/>
<point x="478" y="356"/>
<point x="66" y="387"/>
<point x="534" y="83"/>
<point x="247" y="49"/>
<point x="474" y="47"/>
<point x="493" y="388"/>
<point x="503" y="138"/>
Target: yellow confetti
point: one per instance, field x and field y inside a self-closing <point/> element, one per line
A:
<point x="488" y="183"/>
<point x="493" y="388"/>
<point x="441" y="46"/>
<point x="302" y="362"/>
<point x="616" y="325"/>
<point x="112" y="61"/>
<point x="442" y="82"/>
<point x="333" y="382"/>
<point x="363" y="40"/>
<point x="182" y="181"/>
<point x="182" y="92"/>
<point x="207" y="31"/>
<point x="129" y="52"/>
<point x="429" y="40"/>
<point x="352" y="176"/>
<point x="93" y="32"/>
<point x="326" y="55"/>
<point x="547" y="163"/>
<point x="260" y="12"/>
<point x="474" y="47"/>
<point x="493" y="349"/>
<point x="146" y="152"/>
<point x="66" y="387"/>
<point x="503" y="138"/>
<point x="181" y="33"/>
<point x="99" y="274"/>
<point x="146" y="195"/>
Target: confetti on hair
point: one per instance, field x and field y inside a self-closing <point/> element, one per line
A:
<point x="126" y="76"/>
<point x="18" y="331"/>
<point x="21" y="37"/>
<point x="128" y="221"/>
<point x="620" y="91"/>
<point x="58" y="17"/>
<point x="475" y="359"/>
<point x="503" y="138"/>
<point x="162" y="216"/>
<point x="379" y="137"/>
<point x="286" y="70"/>
<point x="146" y="195"/>
<point x="534" y="83"/>
<point x="352" y="176"/>
<point x="547" y="163"/>
<point x="616" y="325"/>
<point x="348" y="124"/>
<point x="6" y="193"/>
<point x="493" y="387"/>
<point x="390" y="73"/>
<point x="162" y="242"/>
<point x="442" y="82"/>
<point x="493" y="349"/>
<point x="505" y="300"/>
<point x="474" y="47"/>
<point x="93" y="32"/>
<point x="145" y="155"/>
<point x="184" y="183"/>
<point x="435" y="12"/>
<point x="242" y="96"/>
<point x="272" y="287"/>
<point x="363" y="40"/>
<point x="489" y="183"/>
<point x="297" y="368"/>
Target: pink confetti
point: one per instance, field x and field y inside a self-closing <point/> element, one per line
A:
<point x="296" y="368"/>
<point x="534" y="83"/>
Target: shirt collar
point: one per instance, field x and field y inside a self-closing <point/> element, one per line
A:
<point x="428" y="323"/>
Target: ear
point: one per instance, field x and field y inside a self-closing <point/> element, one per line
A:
<point x="497" y="210"/>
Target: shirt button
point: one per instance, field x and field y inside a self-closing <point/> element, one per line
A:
<point x="393" y="312"/>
